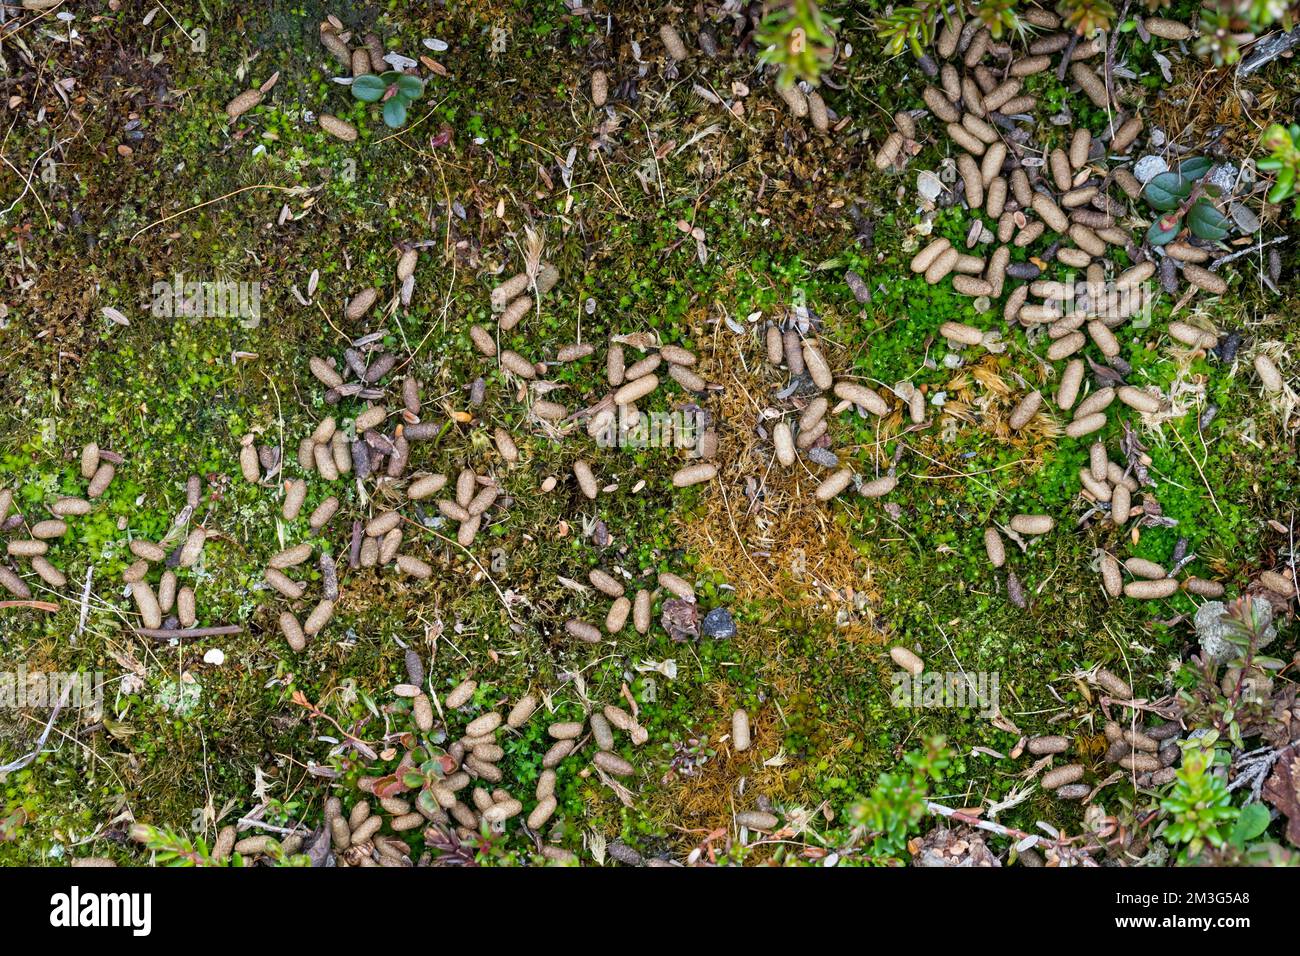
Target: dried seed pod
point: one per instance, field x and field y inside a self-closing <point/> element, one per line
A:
<point x="295" y="493"/>
<point x="672" y="42"/>
<point x="1203" y="588"/>
<point x="636" y="389"/>
<point x="834" y="485"/>
<point x="924" y="259"/>
<point x="1039" y="746"/>
<point x="940" y="105"/>
<point x="1070" y="773"/>
<point x="612" y="763"/>
<point x="586" y="479"/>
<point x="694" y="475"/>
<point x="557" y="752"/>
<point x="993" y="545"/>
<point x="889" y="150"/>
<point x="618" y="614"/>
<point x="147" y="604"/>
<point x="641" y="611"/>
<point x="242" y="103"/>
<point x="1032" y="524"/>
<point x="318" y="618"/>
<point x="338" y="128"/>
<point x="284" y="584"/>
<point x="1025" y="410"/>
<point x="1270" y="377"/>
<point x="414" y="567"/>
<point x="794" y="99"/>
<point x="49" y="573"/>
<point x="505" y="445"/>
<point x="566" y="730"/>
<point x="907" y="660"/>
<point x="587" y="633"/>
<point x="1090" y="83"/>
<point x="879" y="487"/>
<point x="1277" y="583"/>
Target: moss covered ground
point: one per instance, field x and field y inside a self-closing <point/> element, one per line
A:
<point x="271" y="198"/>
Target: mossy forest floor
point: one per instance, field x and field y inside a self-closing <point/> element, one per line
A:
<point x="122" y="170"/>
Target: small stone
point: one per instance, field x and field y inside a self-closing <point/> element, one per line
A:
<point x="1212" y="630"/>
<point x="719" y="624"/>
<point x="1149" y="167"/>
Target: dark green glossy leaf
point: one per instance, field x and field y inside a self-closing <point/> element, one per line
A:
<point x="1194" y="167"/>
<point x="1166" y="191"/>
<point x="1158" y="236"/>
<point x="410" y="86"/>
<point x="1206" y="221"/>
<point x="395" y="112"/>
<point x="368" y="88"/>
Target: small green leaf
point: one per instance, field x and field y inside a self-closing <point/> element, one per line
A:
<point x="1206" y="221"/>
<point x="1159" y="236"/>
<point x="395" y="112"/>
<point x="1194" y="167"/>
<point x="1166" y="191"/>
<point x="1282" y="188"/>
<point x="1251" y="822"/>
<point x="410" y="86"/>
<point x="368" y="88"/>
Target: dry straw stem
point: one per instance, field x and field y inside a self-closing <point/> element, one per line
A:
<point x="778" y="544"/>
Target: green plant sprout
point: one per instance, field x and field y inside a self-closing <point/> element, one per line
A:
<point x="396" y="90"/>
<point x="1283" y="144"/>
<point x="1185" y="198"/>
<point x="799" y="40"/>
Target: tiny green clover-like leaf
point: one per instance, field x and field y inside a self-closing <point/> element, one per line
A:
<point x="1283" y="187"/>
<point x="395" y="111"/>
<point x="368" y="88"/>
<point x="1251" y="822"/>
<point x="1194" y="167"/>
<point x="1206" y="221"/>
<point x="410" y="86"/>
<point x="413" y="778"/>
<point x="1166" y="191"/>
<point x="1158" y="235"/>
